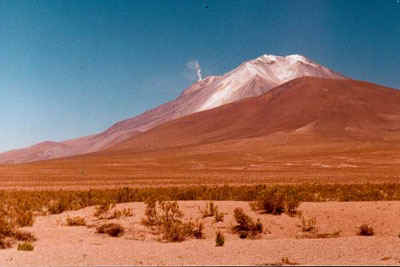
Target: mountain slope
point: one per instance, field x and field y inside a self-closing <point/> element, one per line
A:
<point x="325" y="109"/>
<point x="251" y="78"/>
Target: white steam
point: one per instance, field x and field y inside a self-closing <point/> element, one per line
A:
<point x="194" y="65"/>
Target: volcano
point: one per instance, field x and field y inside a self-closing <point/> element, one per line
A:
<point x="249" y="79"/>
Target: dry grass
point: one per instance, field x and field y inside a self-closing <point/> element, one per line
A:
<point x="112" y="229"/>
<point x="219" y="239"/>
<point x="76" y="221"/>
<point x="245" y="225"/>
<point x="26" y="246"/>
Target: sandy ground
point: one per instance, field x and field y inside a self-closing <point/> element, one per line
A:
<point x="61" y="245"/>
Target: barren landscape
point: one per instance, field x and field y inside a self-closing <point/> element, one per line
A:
<point x="280" y="161"/>
<point x="283" y="240"/>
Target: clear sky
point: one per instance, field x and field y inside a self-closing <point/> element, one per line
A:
<point x="74" y="67"/>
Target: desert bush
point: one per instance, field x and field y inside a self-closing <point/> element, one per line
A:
<point x="26" y="246"/>
<point x="198" y="229"/>
<point x="245" y="225"/>
<point x="24" y="218"/>
<point x="6" y="228"/>
<point x="210" y="210"/>
<point x="151" y="213"/>
<point x="167" y="218"/>
<point x="24" y="236"/>
<point x="103" y="208"/>
<point x="309" y="225"/>
<point x="76" y="221"/>
<point x="57" y="206"/>
<point x="126" y="212"/>
<point x="365" y="230"/>
<point x="286" y="261"/>
<point x="5" y="243"/>
<point x="274" y="201"/>
<point x="112" y="229"/>
<point x="219" y="239"/>
<point x="219" y="216"/>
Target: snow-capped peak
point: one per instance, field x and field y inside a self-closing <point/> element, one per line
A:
<point x="274" y="70"/>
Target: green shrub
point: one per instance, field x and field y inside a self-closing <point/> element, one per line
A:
<point x="26" y="246"/>
<point x="219" y="239"/>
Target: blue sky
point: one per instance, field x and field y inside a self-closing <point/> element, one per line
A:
<point x="72" y="68"/>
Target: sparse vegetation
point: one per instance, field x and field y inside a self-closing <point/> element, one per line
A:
<point x="286" y="261"/>
<point x="5" y="243"/>
<point x="309" y="225"/>
<point x="211" y="210"/>
<point x="62" y="200"/>
<point x="76" y="221"/>
<point x="24" y="236"/>
<point x="245" y="225"/>
<point x="276" y="202"/>
<point x="26" y="246"/>
<point x="166" y="217"/>
<point x="219" y="239"/>
<point x="366" y="230"/>
<point x="24" y="218"/>
<point x="198" y="229"/>
<point x="104" y="207"/>
<point x="112" y="229"/>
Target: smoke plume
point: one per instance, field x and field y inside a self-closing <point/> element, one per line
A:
<point x="194" y="65"/>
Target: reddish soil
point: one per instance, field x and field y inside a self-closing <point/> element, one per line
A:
<point x="283" y="237"/>
<point x="307" y="130"/>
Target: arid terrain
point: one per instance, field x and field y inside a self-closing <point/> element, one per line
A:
<point x="317" y="160"/>
<point x="282" y="238"/>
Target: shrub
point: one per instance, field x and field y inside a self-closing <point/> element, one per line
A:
<point x="219" y="216"/>
<point x="126" y="212"/>
<point x="24" y="236"/>
<point x="104" y="207"/>
<point x="210" y="210"/>
<point x="6" y="228"/>
<point x="26" y="246"/>
<point x="276" y="202"/>
<point x="309" y="225"/>
<point x="57" y="206"/>
<point x="366" y="230"/>
<point x="219" y="239"/>
<point x="112" y="229"/>
<point x="167" y="217"/>
<point x="24" y="218"/>
<point x="198" y="230"/>
<point x="245" y="225"/>
<point x="286" y="261"/>
<point x="151" y="213"/>
<point x="5" y="243"/>
<point x="76" y="221"/>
